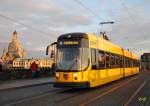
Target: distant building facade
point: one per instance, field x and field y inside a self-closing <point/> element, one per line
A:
<point x="145" y="61"/>
<point x="15" y="57"/>
<point x="14" y="50"/>
<point x="26" y="63"/>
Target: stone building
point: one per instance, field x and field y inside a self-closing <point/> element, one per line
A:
<point x="26" y="63"/>
<point x="145" y="61"/>
<point x="14" y="50"/>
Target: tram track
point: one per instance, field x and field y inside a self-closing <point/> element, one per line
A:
<point x="107" y="92"/>
<point x="103" y="89"/>
<point x="82" y="96"/>
<point x="54" y="91"/>
<point x="115" y="87"/>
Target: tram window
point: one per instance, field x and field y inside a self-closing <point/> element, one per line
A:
<point x="137" y="63"/>
<point x="93" y="53"/>
<point x="130" y="62"/>
<point x="52" y="54"/>
<point x="118" y="61"/>
<point x="133" y="63"/>
<point x="93" y="58"/>
<point x="85" y="58"/>
<point x="107" y="60"/>
<point x="126" y="62"/>
<point x="121" y="61"/>
<point x="112" y="61"/>
<point x="101" y="59"/>
<point x="128" y="65"/>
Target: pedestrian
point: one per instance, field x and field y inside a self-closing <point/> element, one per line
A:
<point x="34" y="69"/>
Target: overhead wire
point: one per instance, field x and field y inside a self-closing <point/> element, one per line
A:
<point x="87" y="8"/>
<point x="20" y="23"/>
<point x="130" y="16"/>
<point x="42" y="32"/>
<point x="90" y="11"/>
<point x="127" y="10"/>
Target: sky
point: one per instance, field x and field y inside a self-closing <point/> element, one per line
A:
<point x="40" y="22"/>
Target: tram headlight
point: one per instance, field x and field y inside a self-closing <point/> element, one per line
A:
<point x="75" y="75"/>
<point x="57" y="75"/>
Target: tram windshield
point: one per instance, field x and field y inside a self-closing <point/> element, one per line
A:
<point x="72" y="59"/>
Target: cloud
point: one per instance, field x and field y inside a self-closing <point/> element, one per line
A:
<point x="143" y="42"/>
<point x="48" y="19"/>
<point x="29" y="7"/>
<point x="132" y="29"/>
<point x="40" y="15"/>
<point x="43" y="48"/>
<point x="38" y="12"/>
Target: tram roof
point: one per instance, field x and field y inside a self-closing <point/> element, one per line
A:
<point x="93" y="37"/>
<point x="116" y="48"/>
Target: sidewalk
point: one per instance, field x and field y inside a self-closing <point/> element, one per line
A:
<point x="25" y="83"/>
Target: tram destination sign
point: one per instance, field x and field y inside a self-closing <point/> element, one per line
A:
<point x="73" y="43"/>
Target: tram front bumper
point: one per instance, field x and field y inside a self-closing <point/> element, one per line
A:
<point x="71" y="84"/>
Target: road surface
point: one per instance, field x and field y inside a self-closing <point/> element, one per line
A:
<point x="131" y="91"/>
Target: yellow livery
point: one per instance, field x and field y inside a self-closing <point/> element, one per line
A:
<point x="85" y="60"/>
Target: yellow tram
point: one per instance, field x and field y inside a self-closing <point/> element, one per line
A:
<point x="85" y="60"/>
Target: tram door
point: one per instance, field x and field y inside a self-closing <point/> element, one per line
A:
<point x="94" y="64"/>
